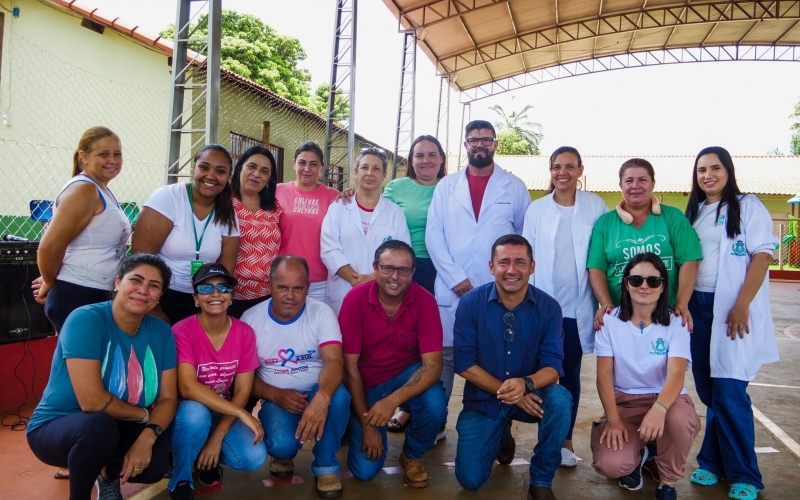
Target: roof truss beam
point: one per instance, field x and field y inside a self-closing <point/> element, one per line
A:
<point x="633" y="60"/>
<point x="438" y="11"/>
<point x="626" y="22"/>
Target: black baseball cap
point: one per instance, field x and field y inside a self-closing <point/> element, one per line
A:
<point x="210" y="271"/>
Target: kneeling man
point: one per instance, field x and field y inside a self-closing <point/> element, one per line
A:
<point x="299" y="377"/>
<point x="509" y="348"/>
<point x="392" y="338"/>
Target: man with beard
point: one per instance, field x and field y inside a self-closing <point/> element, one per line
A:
<point x="470" y="209"/>
<point x="509" y="347"/>
<point x="392" y="342"/>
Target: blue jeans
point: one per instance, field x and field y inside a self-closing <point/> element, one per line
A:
<point x="480" y="438"/>
<point x="280" y="426"/>
<point x="728" y="448"/>
<point x="190" y="430"/>
<point x="429" y="410"/>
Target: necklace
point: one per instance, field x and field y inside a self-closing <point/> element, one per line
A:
<point x="137" y="328"/>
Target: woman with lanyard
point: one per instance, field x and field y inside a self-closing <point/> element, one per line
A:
<point x="733" y="331"/>
<point x="212" y="426"/>
<point x="188" y="225"/>
<point x="642" y="351"/>
<point x="254" y="182"/>
<point x="351" y="233"/>
<point x="305" y="202"/>
<point x="83" y="244"/>
<point x="558" y="227"/>
<point x="112" y="390"/>
<point x="641" y="224"/>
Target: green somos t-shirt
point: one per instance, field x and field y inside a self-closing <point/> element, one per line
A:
<point x="614" y="243"/>
<point x="414" y="199"/>
<point x="130" y="366"/>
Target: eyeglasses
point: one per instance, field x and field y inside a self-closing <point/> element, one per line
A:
<point x="209" y="289"/>
<point x="508" y="319"/>
<point x="389" y="270"/>
<point x="486" y="141"/>
<point x="652" y="281"/>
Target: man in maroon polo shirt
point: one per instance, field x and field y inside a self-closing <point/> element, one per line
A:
<point x="392" y="344"/>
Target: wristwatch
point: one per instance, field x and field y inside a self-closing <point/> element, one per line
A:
<point x="157" y="430"/>
<point x="528" y="385"/>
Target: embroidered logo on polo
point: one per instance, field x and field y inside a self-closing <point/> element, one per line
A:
<point x="739" y="250"/>
<point x="288" y="356"/>
<point x="659" y="347"/>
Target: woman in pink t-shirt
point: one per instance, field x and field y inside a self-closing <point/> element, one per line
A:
<point x="212" y="426"/>
<point x="254" y="181"/>
<point x="304" y="204"/>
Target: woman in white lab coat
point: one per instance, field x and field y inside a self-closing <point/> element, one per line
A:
<point x="733" y="331"/>
<point x="558" y="226"/>
<point x="352" y="232"/>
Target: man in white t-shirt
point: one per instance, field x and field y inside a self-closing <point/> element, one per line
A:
<point x="299" y="379"/>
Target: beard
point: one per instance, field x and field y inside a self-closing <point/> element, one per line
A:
<point x="483" y="161"/>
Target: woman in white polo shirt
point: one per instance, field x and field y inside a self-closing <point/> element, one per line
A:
<point x="642" y="351"/>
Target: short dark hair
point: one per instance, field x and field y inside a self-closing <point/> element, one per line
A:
<point x="477" y="125"/>
<point x="374" y="151"/>
<point x="515" y="240"/>
<point x="661" y="313"/>
<point x="266" y="197"/>
<point x="640" y="163"/>
<point x="289" y="259"/>
<point x="412" y="174"/>
<point x="131" y="262"/>
<point x="309" y="146"/>
<point x="394" y="245"/>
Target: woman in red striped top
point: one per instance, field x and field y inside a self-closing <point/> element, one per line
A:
<point x="254" y="180"/>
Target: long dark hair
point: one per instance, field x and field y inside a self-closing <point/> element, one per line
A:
<point x="442" y="169"/>
<point x="661" y="313"/>
<point x="559" y="151"/>
<point x="224" y="214"/>
<point x="267" y="194"/>
<point x="730" y="193"/>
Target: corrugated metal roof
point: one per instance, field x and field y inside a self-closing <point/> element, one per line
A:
<point x="754" y="174"/>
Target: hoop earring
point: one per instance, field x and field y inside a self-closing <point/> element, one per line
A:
<point x="196" y="304"/>
<point x="580" y="185"/>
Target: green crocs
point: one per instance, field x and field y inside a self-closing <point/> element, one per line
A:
<point x="705" y="478"/>
<point x="742" y="491"/>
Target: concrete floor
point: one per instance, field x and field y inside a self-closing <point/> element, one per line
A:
<point x="24" y="477"/>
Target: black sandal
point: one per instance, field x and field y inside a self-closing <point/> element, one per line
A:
<point x="59" y="475"/>
<point x="397" y="426"/>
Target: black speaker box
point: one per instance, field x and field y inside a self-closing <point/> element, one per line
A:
<point x="21" y="317"/>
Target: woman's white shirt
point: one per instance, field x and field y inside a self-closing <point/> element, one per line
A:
<point x="641" y="355"/>
<point x="178" y="250"/>
<point x="709" y="229"/>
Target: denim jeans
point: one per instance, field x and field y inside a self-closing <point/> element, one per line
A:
<point x="429" y="410"/>
<point x="425" y="274"/>
<point x="192" y="425"/>
<point x="728" y="448"/>
<point x="480" y="438"/>
<point x="281" y="425"/>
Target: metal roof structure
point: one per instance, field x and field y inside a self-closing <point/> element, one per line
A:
<point x="486" y="47"/>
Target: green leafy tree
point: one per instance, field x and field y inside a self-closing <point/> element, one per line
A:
<point x="517" y="134"/>
<point x="255" y="51"/>
<point x="794" y="144"/>
<point x="319" y="103"/>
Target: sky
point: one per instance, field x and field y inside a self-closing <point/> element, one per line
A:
<point x="663" y="110"/>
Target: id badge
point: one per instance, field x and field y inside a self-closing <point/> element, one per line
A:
<point x="196" y="264"/>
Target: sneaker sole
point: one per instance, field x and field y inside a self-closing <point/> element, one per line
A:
<point x="641" y="477"/>
<point x="418" y="484"/>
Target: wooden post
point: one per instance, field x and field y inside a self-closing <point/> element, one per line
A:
<point x="265" y="136"/>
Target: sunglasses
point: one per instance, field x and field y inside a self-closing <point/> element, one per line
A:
<point x="508" y="319"/>
<point x="209" y="289"/>
<point x="652" y="281"/>
<point x="373" y="151"/>
<point x="389" y="270"/>
<point x="474" y="141"/>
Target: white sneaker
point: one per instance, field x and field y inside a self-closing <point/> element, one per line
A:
<point x="441" y="435"/>
<point x="568" y="458"/>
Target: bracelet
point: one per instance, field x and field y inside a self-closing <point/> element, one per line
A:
<point x="320" y="393"/>
<point x="105" y="407"/>
<point x="662" y="404"/>
<point x="146" y="416"/>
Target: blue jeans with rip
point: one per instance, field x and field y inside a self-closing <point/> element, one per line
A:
<point x="480" y="438"/>
<point x="728" y="448"/>
<point x="280" y="427"/>
<point x="429" y="410"/>
<point x="192" y="425"/>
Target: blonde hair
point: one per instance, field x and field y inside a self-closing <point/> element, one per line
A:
<point x="86" y="144"/>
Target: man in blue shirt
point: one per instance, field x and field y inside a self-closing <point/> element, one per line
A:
<point x="509" y="348"/>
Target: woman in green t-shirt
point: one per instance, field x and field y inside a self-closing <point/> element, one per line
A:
<point x="641" y="224"/>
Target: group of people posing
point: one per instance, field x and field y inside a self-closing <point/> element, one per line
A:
<point x="343" y="316"/>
